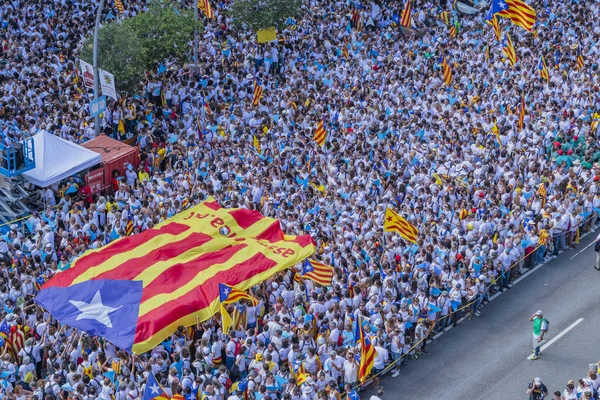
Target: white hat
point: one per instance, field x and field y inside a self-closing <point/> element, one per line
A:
<point x="539" y="312"/>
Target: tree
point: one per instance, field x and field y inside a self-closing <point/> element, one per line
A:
<point x="261" y="14"/>
<point x="119" y="53"/>
<point x="164" y="32"/>
<point x="129" y="48"/>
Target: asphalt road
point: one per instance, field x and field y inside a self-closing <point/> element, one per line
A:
<point x="486" y="358"/>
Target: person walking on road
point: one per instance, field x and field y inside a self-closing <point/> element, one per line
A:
<point x="597" y="248"/>
<point x="537" y="390"/>
<point x="540" y="327"/>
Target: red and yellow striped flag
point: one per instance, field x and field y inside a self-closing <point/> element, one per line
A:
<point x="445" y="17"/>
<point x="395" y="223"/>
<point x="580" y="59"/>
<point x="509" y="50"/>
<point x="258" y="91"/>
<point x="204" y="6"/>
<point x="453" y="31"/>
<point x="229" y="294"/>
<point x="497" y="29"/>
<point x="406" y="20"/>
<point x="139" y="289"/>
<point x="356" y="19"/>
<point x="345" y="49"/>
<point x="543" y="68"/>
<point x="522" y="112"/>
<point x="542" y="191"/>
<point x="119" y="6"/>
<point x="129" y="227"/>
<point x="367" y="351"/>
<point x="320" y="134"/>
<point x="15" y="342"/>
<point x="447" y="71"/>
<point x="520" y="13"/>
<point x="317" y="272"/>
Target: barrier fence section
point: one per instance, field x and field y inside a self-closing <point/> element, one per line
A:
<point x="417" y="345"/>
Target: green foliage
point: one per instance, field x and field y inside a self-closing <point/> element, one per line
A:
<point x="164" y="32"/>
<point x="261" y="14"/>
<point x="118" y="53"/>
<point x="130" y="47"/>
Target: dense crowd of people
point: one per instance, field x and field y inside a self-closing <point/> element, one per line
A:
<point x="586" y="388"/>
<point x="486" y="206"/>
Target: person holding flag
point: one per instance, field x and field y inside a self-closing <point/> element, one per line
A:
<point x="350" y="370"/>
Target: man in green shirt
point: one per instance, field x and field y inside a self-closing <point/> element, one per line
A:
<point x="540" y="327"/>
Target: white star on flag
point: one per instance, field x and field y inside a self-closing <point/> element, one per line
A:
<point x="155" y="389"/>
<point x="95" y="310"/>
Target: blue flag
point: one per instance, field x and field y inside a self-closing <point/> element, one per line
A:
<point x="454" y="304"/>
<point x="280" y="380"/>
<point x="433" y="308"/>
<point x="4" y="328"/>
<point x="110" y="375"/>
<point x="497" y="6"/>
<point x="103" y="307"/>
<point x="153" y="389"/>
<point x="168" y="345"/>
<point x="435" y="291"/>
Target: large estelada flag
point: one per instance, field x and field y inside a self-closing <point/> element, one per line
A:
<point x="138" y="290"/>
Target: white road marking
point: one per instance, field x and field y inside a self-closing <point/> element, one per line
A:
<point x="585" y="248"/>
<point x="555" y="338"/>
<point x="531" y="271"/>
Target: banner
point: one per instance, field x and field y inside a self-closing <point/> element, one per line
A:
<point x="107" y="83"/>
<point x="87" y="71"/>
<point x="266" y="35"/>
<point x="139" y="289"/>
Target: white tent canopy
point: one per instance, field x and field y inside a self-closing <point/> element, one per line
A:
<point x="57" y="159"/>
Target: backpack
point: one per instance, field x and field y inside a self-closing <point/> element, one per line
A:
<point x="228" y="384"/>
<point x="267" y="339"/>
<point x="547" y="324"/>
<point x="30" y="355"/>
<point x="238" y="345"/>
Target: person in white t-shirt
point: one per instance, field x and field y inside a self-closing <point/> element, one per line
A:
<point x="350" y="370"/>
<point x="381" y="357"/>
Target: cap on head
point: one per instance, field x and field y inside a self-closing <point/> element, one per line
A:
<point x="539" y="313"/>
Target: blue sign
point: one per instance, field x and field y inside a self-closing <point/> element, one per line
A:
<point x="97" y="106"/>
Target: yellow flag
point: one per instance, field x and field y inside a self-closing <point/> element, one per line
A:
<point x="225" y="320"/>
<point x="395" y="223"/>
<point x="266" y="35"/>
<point x="257" y="145"/>
<point x="495" y="130"/>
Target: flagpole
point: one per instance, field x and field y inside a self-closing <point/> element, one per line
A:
<point x="195" y="35"/>
<point x="95" y="62"/>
